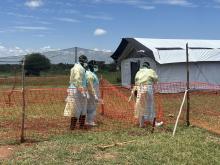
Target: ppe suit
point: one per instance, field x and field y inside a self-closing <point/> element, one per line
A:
<point x="76" y="101"/>
<point x="144" y="106"/>
<point x="93" y="90"/>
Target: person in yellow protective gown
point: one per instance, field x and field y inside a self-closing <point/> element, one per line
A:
<point x="93" y="90"/>
<point x="76" y="101"/>
<point x="145" y="78"/>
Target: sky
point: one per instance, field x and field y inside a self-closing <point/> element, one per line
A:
<point x="43" y="25"/>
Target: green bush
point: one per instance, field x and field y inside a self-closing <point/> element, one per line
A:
<point x="35" y="63"/>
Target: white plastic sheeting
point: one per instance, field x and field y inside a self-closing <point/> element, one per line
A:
<point x="199" y="72"/>
<point x="199" y="50"/>
<point x="206" y="72"/>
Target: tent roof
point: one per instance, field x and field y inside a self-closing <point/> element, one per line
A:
<point x="172" y="50"/>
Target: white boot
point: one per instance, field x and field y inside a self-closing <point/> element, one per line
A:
<point x="158" y="124"/>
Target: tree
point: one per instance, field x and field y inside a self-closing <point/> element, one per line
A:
<point x="35" y="63"/>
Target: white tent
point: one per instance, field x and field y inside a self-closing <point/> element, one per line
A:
<point x="66" y="56"/>
<point x="168" y="58"/>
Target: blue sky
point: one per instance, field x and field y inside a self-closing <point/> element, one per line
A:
<point x="38" y="25"/>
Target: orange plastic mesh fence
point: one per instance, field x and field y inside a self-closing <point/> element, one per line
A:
<point x="45" y="108"/>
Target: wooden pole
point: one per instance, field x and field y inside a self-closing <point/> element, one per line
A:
<point x="23" y="102"/>
<point x="187" y="86"/>
<point x="181" y="107"/>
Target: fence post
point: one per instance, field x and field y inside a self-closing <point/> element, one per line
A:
<point x="102" y="97"/>
<point x="187" y="85"/>
<point x="22" y="139"/>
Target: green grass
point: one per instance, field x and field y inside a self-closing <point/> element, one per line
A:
<point x="50" y="80"/>
<point x="112" y="77"/>
<point x="5" y="74"/>
<point x="189" y="146"/>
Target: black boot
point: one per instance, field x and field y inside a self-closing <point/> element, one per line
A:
<point x="82" y="119"/>
<point x="73" y="123"/>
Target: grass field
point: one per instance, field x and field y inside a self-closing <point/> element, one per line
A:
<point x="8" y="81"/>
<point x="45" y="122"/>
<point x="189" y="146"/>
<point x="45" y="108"/>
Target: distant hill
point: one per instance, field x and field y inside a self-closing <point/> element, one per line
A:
<point x="65" y="56"/>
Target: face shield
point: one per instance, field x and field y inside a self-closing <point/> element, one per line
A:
<point x="96" y="68"/>
<point x="85" y="65"/>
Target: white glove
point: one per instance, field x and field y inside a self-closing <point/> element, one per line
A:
<point x="87" y="95"/>
<point x="84" y="94"/>
<point x="96" y="98"/>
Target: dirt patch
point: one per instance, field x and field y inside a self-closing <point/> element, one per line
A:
<point x="75" y="149"/>
<point x="6" y="152"/>
<point x="207" y="126"/>
<point x="106" y="156"/>
<point x="213" y="139"/>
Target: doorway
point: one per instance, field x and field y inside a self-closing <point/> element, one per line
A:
<point x="134" y="69"/>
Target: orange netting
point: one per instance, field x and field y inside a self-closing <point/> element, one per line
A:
<point x="45" y="106"/>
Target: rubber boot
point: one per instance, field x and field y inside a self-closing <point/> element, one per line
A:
<point x="73" y="123"/>
<point x="82" y="119"/>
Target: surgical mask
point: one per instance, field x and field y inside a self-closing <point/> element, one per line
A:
<point x="96" y="68"/>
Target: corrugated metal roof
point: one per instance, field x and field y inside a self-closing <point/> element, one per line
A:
<point x="200" y="50"/>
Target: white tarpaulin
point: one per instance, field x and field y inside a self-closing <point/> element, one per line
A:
<point x="169" y="59"/>
<point x="174" y="51"/>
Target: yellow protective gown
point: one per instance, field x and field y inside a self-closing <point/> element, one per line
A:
<point x="145" y="76"/>
<point x="144" y="79"/>
<point x="77" y="75"/>
<point x="76" y="101"/>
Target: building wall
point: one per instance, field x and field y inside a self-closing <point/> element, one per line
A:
<point x="207" y="72"/>
<point x="199" y="72"/>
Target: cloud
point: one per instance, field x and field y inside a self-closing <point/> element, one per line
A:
<point x="46" y="49"/>
<point x="33" y="3"/>
<point x="11" y="51"/>
<point x="70" y="20"/>
<point x="31" y="28"/>
<point x="6" y="51"/>
<point x="147" y="7"/>
<point x="7" y="30"/>
<point x="101" y="17"/>
<point x="125" y="2"/>
<point x="39" y="35"/>
<point x="144" y="4"/>
<point x="20" y="15"/>
<point x="43" y="22"/>
<point x="128" y="2"/>
<point x="99" y="32"/>
<point x="2" y="47"/>
<point x="185" y="3"/>
<point x="103" y="50"/>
